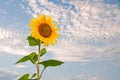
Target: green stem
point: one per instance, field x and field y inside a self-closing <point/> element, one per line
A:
<point x="42" y="72"/>
<point x="38" y="65"/>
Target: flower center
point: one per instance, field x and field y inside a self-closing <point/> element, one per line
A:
<point x="45" y="30"/>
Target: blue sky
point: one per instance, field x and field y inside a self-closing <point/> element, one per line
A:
<point x="89" y="43"/>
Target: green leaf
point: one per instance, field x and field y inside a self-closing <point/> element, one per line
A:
<point x="24" y="77"/>
<point x="32" y="41"/>
<point x="51" y="63"/>
<point x="33" y="75"/>
<point x="32" y="57"/>
<point x="43" y="51"/>
<point x="24" y="59"/>
<point x="35" y="58"/>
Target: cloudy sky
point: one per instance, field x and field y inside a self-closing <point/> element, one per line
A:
<point x="89" y="43"/>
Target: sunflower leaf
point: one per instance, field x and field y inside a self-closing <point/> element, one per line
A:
<point x="24" y="77"/>
<point x="51" y="63"/>
<point x="33" y="75"/>
<point x="32" y="57"/>
<point x="24" y="59"/>
<point x="43" y="51"/>
<point x="32" y="41"/>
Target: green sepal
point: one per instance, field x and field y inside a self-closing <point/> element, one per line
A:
<point x="32" y="57"/>
<point x="43" y="51"/>
<point x="32" y="41"/>
<point x="51" y="63"/>
<point x="24" y="77"/>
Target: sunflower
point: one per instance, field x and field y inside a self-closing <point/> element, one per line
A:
<point x="44" y="29"/>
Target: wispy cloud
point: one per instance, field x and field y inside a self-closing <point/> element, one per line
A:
<point x="8" y="75"/>
<point x="21" y="66"/>
<point x="92" y="78"/>
<point x="89" y="29"/>
<point x="2" y="11"/>
<point x="83" y="77"/>
<point x="11" y="40"/>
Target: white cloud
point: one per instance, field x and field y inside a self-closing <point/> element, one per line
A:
<point x="8" y="75"/>
<point x="2" y="11"/>
<point x="11" y="41"/>
<point x="89" y="29"/>
<point x="83" y="77"/>
<point x="86" y="53"/>
<point x="86" y="19"/>
<point x="21" y="66"/>
<point x="92" y="78"/>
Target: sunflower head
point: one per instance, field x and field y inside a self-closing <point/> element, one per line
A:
<point x="44" y="29"/>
